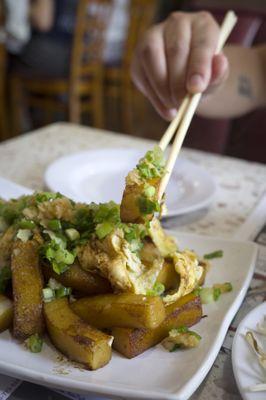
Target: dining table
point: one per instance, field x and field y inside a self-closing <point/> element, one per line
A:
<point x="240" y="185"/>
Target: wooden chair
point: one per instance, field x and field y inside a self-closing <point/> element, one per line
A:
<point x="82" y="90"/>
<point x="118" y="85"/>
<point x="3" y="108"/>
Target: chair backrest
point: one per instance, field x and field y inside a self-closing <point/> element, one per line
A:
<point x="142" y="14"/>
<point x="89" y="37"/>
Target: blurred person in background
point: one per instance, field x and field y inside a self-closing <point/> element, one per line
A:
<point x="178" y="56"/>
<point x="52" y="22"/>
<point x="47" y="52"/>
<point x="16" y="25"/>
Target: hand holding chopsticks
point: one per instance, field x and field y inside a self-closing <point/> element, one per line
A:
<point x="182" y="120"/>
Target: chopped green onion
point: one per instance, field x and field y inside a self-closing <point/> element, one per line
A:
<point x="216" y="293"/>
<point x="5" y="277"/>
<point x="53" y="284"/>
<point x="149" y="191"/>
<point x="55" y="225"/>
<point x="147" y="206"/>
<point x="215" y="254"/>
<point x="27" y="224"/>
<point x="157" y="290"/>
<point x="135" y="245"/>
<point x="175" y="347"/>
<point x="72" y="234"/>
<point x="180" y="329"/>
<point x="24" y="234"/>
<point x="181" y="337"/>
<point x="224" y="287"/>
<point x="46" y="196"/>
<point x="48" y="294"/>
<point x="107" y="212"/>
<point x="58" y="238"/>
<point x="152" y="165"/>
<point x="206" y="295"/>
<point x="196" y="291"/>
<point x="62" y="292"/>
<point x="58" y="255"/>
<point x="55" y="290"/>
<point x="34" y="343"/>
<point x="103" y="229"/>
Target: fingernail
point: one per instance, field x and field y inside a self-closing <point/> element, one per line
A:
<point x="172" y="113"/>
<point x="195" y="81"/>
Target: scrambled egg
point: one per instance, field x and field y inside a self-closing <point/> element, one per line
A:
<point x="127" y="271"/>
<point x="113" y="259"/>
<point x="190" y="272"/>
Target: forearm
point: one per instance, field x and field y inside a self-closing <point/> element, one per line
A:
<point x="244" y="90"/>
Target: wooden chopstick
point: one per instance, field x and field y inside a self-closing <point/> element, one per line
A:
<point x="187" y="110"/>
<point x="169" y="133"/>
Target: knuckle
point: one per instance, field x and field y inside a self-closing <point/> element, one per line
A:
<point x="148" y="48"/>
<point x="176" y="48"/>
<point x="207" y="20"/>
<point x="205" y="16"/>
<point x="175" y="17"/>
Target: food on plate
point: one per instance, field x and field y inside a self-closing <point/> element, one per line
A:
<point x="181" y="338"/>
<point x="211" y="294"/>
<point x="82" y="282"/>
<point x="259" y="352"/>
<point x="27" y="286"/>
<point x="74" y="338"/>
<point x="168" y="276"/>
<point x="139" y="200"/>
<point x="76" y="268"/>
<point x="123" y="310"/>
<point x="6" y="313"/>
<point x="130" y="342"/>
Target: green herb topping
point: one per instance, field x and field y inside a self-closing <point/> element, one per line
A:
<point x="215" y="254"/>
<point x="152" y="165"/>
<point x="34" y="343"/>
<point x="157" y="290"/>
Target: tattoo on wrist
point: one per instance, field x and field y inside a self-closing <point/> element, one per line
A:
<point x="245" y="87"/>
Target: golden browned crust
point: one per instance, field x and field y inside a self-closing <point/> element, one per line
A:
<point x="27" y="286"/>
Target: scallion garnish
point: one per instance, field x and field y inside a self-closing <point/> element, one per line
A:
<point x="103" y="229"/>
<point x="148" y="206"/>
<point x="24" y="234"/>
<point x="157" y="290"/>
<point x="46" y="196"/>
<point x="72" y="234"/>
<point x="54" y="225"/>
<point x="26" y="224"/>
<point x="215" y="254"/>
<point x="62" y="292"/>
<point x="48" y="294"/>
<point x="34" y="343"/>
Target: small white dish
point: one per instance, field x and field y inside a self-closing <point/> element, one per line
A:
<point x="155" y="374"/>
<point x="99" y="175"/>
<point x="245" y="363"/>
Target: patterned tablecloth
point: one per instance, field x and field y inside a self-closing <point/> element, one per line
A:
<point x="240" y="186"/>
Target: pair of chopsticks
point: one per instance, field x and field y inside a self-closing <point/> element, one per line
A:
<point x="182" y="120"/>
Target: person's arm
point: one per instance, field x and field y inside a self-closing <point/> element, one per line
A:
<point x="178" y="56"/>
<point x="245" y="87"/>
<point x="42" y="14"/>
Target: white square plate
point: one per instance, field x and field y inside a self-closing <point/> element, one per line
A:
<point x="156" y="374"/>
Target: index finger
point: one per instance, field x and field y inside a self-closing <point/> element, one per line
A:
<point x="205" y="35"/>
